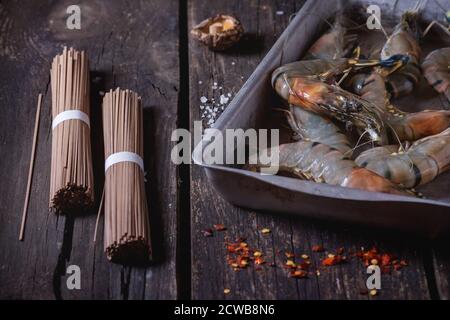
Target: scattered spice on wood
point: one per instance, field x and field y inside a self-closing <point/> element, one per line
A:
<point x="259" y="260"/>
<point x="333" y="259"/>
<point x="298" y="274"/>
<point x="387" y="261"/>
<point x="240" y="255"/>
<point x="290" y="264"/>
<point x="219" y="227"/>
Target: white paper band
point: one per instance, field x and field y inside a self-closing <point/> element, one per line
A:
<point x="124" y="157"/>
<point x="70" y="115"/>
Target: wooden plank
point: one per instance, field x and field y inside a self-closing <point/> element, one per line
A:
<point x="130" y="45"/>
<point x="441" y="267"/>
<point x="264" y="21"/>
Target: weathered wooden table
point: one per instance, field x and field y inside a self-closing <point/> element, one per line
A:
<point x="145" y="46"/>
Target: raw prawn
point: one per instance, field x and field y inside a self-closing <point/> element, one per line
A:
<point x="334" y="44"/>
<point x="403" y="125"/>
<point x="321" y="163"/>
<point x="313" y="127"/>
<point x="423" y="161"/>
<point x="436" y="69"/>
<point x="404" y="41"/>
<point x="303" y="84"/>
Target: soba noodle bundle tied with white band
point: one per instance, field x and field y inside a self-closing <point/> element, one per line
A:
<point x="126" y="231"/>
<point x="70" y="115"/>
<point x="124" y="157"/>
<point x="71" y="177"/>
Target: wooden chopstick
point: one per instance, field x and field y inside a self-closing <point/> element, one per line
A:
<point x="30" y="171"/>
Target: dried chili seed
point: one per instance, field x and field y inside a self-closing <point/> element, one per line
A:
<point x="317" y="272"/>
<point x="226" y="291"/>
<point x="373" y="292"/>
<point x="219" y="227"/>
<point x="290" y="264"/>
<point x="207" y="233"/>
<point x="265" y="231"/>
<point x="257" y="254"/>
<point x="305" y="256"/>
<point x="318" y="248"/>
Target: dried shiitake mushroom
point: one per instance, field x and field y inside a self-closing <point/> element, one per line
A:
<point x="219" y="32"/>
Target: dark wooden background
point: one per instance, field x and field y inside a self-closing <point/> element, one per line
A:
<point x="145" y="46"/>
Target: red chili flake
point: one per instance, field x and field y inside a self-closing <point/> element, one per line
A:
<point x="318" y="248"/>
<point x="207" y="233"/>
<point x="219" y="227"/>
<point x="332" y="260"/>
<point x="298" y="274"/>
<point x="385" y="259"/>
<point x="259" y="260"/>
<point x="340" y="251"/>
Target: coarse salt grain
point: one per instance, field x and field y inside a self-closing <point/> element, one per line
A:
<point x="203" y="99"/>
<point x="223" y="99"/>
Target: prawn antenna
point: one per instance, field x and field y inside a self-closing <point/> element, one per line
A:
<point x="396" y="137"/>
<point x="440" y="25"/>
<point x="357" y="145"/>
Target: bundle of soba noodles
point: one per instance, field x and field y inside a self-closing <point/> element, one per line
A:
<point x="126" y="232"/>
<point x="71" y="178"/>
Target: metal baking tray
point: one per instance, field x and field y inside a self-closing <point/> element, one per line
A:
<point x="252" y="108"/>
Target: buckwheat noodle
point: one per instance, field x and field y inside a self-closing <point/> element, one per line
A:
<point x="71" y="177"/>
<point x="126" y="231"/>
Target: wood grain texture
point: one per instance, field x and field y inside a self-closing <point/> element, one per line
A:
<point x="264" y="21"/>
<point x="131" y="45"/>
